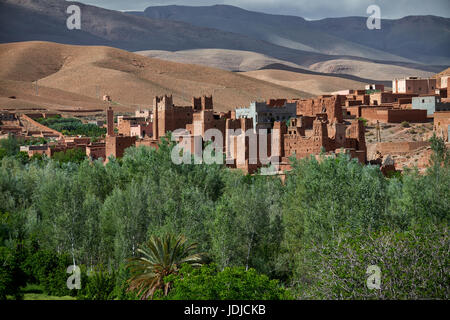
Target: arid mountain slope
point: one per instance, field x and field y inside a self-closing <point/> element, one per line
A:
<point x="418" y="38"/>
<point x="238" y="60"/>
<point x="87" y="72"/>
<point x="315" y="84"/>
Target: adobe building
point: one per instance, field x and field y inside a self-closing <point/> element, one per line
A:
<point x="375" y="87"/>
<point x="168" y="117"/>
<point x="242" y="150"/>
<point x="115" y="144"/>
<point x="387" y="114"/>
<point x="10" y="124"/>
<point x="9" y="118"/>
<point x="96" y="151"/>
<point x="383" y="98"/>
<point x="358" y="98"/>
<point x="331" y="105"/>
<point x="50" y="149"/>
<point x="414" y="85"/>
<point x="443" y="87"/>
<point x="205" y="118"/>
<point x="109" y="122"/>
<point x="196" y="119"/>
<point x="442" y="82"/>
<point x="304" y="138"/>
<point x="32" y="150"/>
<point x="144" y="113"/>
<point x="134" y="126"/>
<point x="441" y="125"/>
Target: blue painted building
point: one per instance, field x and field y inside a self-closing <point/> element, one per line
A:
<point x="264" y="114"/>
<point x="430" y="103"/>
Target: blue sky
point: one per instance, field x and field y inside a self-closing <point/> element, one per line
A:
<point x="310" y="9"/>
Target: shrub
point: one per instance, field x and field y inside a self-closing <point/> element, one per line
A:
<point x="236" y="283"/>
<point x="365" y="122"/>
<point x="10" y="145"/>
<point x="49" y="269"/>
<point x="11" y="275"/>
<point x="72" y="126"/>
<point x="414" y="265"/>
<point x="71" y="155"/>
<point x="99" y="285"/>
<point x="405" y="124"/>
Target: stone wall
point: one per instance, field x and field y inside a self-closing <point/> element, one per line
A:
<point x="387" y="115"/>
<point x="400" y="147"/>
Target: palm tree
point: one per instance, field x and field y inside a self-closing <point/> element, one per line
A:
<point x="160" y="258"/>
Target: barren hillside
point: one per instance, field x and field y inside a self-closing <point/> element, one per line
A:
<point x="369" y="70"/>
<point x="315" y="84"/>
<point x="71" y="76"/>
<point x="232" y="60"/>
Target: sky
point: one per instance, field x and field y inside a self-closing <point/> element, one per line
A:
<point x="309" y="9"/>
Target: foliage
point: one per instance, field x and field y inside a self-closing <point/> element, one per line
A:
<point x="236" y="283"/>
<point x="49" y="269"/>
<point x="98" y="285"/>
<point x="11" y="275"/>
<point x="92" y="214"/>
<point x="75" y="155"/>
<point x="358" y="198"/>
<point x="247" y="226"/>
<point x="440" y="156"/>
<point x="160" y="258"/>
<point x="405" y="124"/>
<point x="10" y="145"/>
<point x="365" y="121"/>
<point x="72" y="126"/>
<point x="414" y="265"/>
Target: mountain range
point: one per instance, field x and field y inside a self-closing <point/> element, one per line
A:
<point x="422" y="39"/>
<point x="297" y="56"/>
<point x="289" y="38"/>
